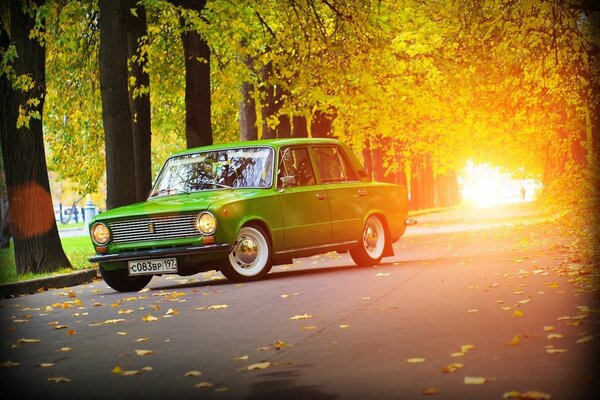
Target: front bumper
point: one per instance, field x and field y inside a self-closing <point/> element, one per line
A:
<point x="164" y="252"/>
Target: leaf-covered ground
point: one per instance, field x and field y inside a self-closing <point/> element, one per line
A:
<point x="478" y="303"/>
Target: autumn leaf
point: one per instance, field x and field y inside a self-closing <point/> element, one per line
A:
<point x="474" y="380"/>
<point x="117" y="370"/>
<point x="140" y="340"/>
<point x="452" y="368"/>
<point x="123" y="311"/>
<point x="172" y="311"/>
<point x="218" y="307"/>
<point x="144" y="352"/>
<point x="45" y="365"/>
<point x="149" y="318"/>
<point x="344" y="326"/>
<point x="585" y="339"/>
<point x="382" y="274"/>
<point x="59" y="379"/>
<point x="9" y="364"/>
<point x="131" y="372"/>
<point x="555" y="336"/>
<point x="415" y="360"/>
<point x="66" y="349"/>
<point x="308" y="328"/>
<point x="203" y="385"/>
<point x="514" y="341"/>
<point x="529" y="395"/>
<point x="279" y="344"/>
<point x="260" y="365"/>
<point x="430" y="391"/>
<point x="71" y="332"/>
<point x="302" y="316"/>
<point x="113" y="321"/>
<point x="518" y="313"/>
<point x="193" y="373"/>
<point x="241" y="358"/>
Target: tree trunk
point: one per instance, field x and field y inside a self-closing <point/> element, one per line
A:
<point x="198" y="128"/>
<point x="247" y="107"/>
<point x="284" y="129"/>
<point x="37" y="243"/>
<point x="139" y="104"/>
<point x="268" y="109"/>
<point x="377" y="164"/>
<point x="368" y="159"/>
<point x="116" y="116"/>
<point x="299" y="126"/>
<point x="321" y="124"/>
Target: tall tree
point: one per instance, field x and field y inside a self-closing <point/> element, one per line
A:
<point x="116" y="114"/>
<point x="198" y="128"/>
<point x="139" y="100"/>
<point x="22" y="91"/>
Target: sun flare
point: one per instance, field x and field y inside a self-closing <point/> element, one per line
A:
<point x="485" y="186"/>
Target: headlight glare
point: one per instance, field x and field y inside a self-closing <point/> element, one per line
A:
<point x="206" y="223"/>
<point x="100" y="234"/>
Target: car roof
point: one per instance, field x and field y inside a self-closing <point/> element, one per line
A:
<point x="276" y="143"/>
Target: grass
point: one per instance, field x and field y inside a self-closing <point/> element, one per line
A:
<point x="77" y="249"/>
<point x="77" y="225"/>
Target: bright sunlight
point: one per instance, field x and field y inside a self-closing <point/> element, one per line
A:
<point x="485" y="186"/>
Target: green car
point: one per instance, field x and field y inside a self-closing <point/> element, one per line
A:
<point x="241" y="208"/>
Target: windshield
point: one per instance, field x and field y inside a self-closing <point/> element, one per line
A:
<point x="218" y="169"/>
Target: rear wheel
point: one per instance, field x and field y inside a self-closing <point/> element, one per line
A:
<point x="251" y="256"/>
<point x="369" y="251"/>
<point x="120" y="280"/>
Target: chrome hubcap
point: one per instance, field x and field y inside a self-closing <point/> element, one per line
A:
<point x="371" y="236"/>
<point x="247" y="250"/>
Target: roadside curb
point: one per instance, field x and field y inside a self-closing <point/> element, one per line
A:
<point x="49" y="282"/>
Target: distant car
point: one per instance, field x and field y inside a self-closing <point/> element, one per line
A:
<point x="241" y="208"/>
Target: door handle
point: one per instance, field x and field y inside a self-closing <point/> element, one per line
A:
<point x="362" y="192"/>
<point x="321" y="196"/>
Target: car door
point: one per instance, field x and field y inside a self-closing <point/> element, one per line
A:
<point x="304" y="203"/>
<point x="346" y="194"/>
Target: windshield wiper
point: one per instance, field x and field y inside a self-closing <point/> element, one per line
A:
<point x="169" y="190"/>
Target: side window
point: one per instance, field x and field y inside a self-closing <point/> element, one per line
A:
<point x="295" y="162"/>
<point x="333" y="166"/>
<point x="348" y="170"/>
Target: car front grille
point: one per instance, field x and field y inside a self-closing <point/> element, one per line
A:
<point x="154" y="228"/>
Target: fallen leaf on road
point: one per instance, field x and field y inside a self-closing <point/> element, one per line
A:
<point x="514" y="341"/>
<point x="143" y="339"/>
<point x="466" y="347"/>
<point x="203" y="385"/>
<point x="218" y="307"/>
<point x="66" y="349"/>
<point x="130" y="372"/>
<point x="260" y="365"/>
<point x="45" y="365"/>
<point x="308" y="328"/>
<point x="149" y="318"/>
<point x="585" y="339"/>
<point x="144" y="352"/>
<point x="518" y="313"/>
<point x="302" y="316"/>
<point x="472" y="310"/>
<point x="452" y="367"/>
<point x="430" y="391"/>
<point x="552" y="350"/>
<point x="344" y="326"/>
<point x="122" y="311"/>
<point x="71" y="332"/>
<point x="9" y="364"/>
<point x="193" y="373"/>
<point x="241" y="358"/>
<point x="548" y="328"/>
<point x="382" y="274"/>
<point x="114" y="321"/>
<point x="555" y="336"/>
<point x="415" y="360"/>
<point x="117" y="370"/>
<point x="59" y="379"/>
<point x="279" y="344"/>
<point x="475" y="380"/>
<point x="529" y="395"/>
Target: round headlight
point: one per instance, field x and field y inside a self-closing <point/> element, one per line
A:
<point x="100" y="234"/>
<point x="206" y="223"/>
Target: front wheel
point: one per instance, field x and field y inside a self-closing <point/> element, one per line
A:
<point x="250" y="258"/>
<point x="369" y="251"/>
<point x="120" y="280"/>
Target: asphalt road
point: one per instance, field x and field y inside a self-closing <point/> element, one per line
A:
<point x="475" y="304"/>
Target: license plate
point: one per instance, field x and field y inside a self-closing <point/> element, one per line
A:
<point x="157" y="266"/>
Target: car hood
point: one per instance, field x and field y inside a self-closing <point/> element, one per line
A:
<point x="180" y="203"/>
